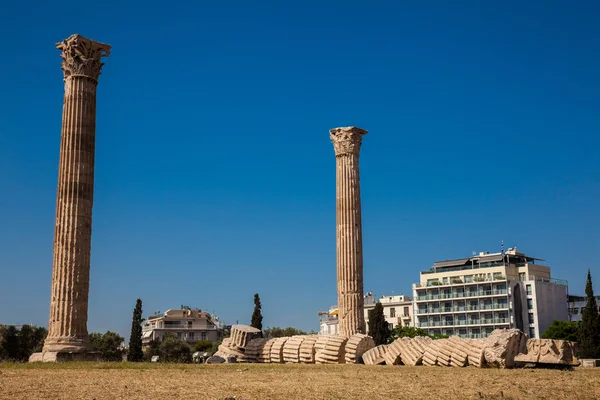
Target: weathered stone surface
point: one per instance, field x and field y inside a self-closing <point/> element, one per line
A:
<point x="502" y="345"/>
<point x="460" y="347"/>
<point x="356" y="346"/>
<point x="346" y="143"/>
<point x="277" y="350"/>
<point x="291" y="349"/>
<point x="412" y="350"/>
<point x="241" y="335"/>
<point x="307" y="349"/>
<point x="376" y="355"/>
<point x="253" y="348"/>
<point x="549" y="351"/>
<point x="60" y="356"/>
<point x="215" y="359"/>
<point x="264" y="352"/>
<point x="67" y="327"/>
<point x="476" y="353"/>
<point x="394" y="351"/>
<point x="333" y="351"/>
<point x="431" y="353"/>
<point x="226" y="350"/>
<point x="590" y="362"/>
<point x="444" y="352"/>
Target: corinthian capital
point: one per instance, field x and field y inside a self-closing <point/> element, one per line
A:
<point x="346" y="140"/>
<point x="81" y="56"/>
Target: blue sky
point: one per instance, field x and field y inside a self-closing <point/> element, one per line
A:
<point x="215" y="176"/>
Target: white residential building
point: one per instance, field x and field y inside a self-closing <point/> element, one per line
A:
<point x="471" y="297"/>
<point x="398" y="309"/>
<point x="186" y="324"/>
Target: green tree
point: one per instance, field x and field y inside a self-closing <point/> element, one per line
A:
<point x="256" y="314"/>
<point x="39" y="336"/>
<point x="152" y="350"/>
<point x="276" y="332"/>
<point x="108" y="345"/>
<point x="9" y="346"/>
<point x="26" y="341"/>
<point x="561" y="330"/>
<point x="406" y="331"/>
<point x="202" y="346"/>
<point x="135" y="353"/>
<point x="175" y="351"/>
<point x="379" y="329"/>
<point x="588" y="334"/>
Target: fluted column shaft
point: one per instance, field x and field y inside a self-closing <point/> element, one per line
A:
<point x="67" y="328"/>
<point x="349" y="230"/>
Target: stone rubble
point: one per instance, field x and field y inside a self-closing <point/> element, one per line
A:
<point x="253" y="348"/>
<point x="307" y="349"/>
<point x="376" y="355"/>
<point x="394" y="351"/>
<point x="356" y="346"/>
<point x="502" y="345"/>
<point x="503" y="348"/>
<point x="264" y="352"/>
<point x="241" y="335"/>
<point x="277" y="350"/>
<point x="291" y="349"/>
<point x="549" y="351"/>
<point x="333" y="352"/>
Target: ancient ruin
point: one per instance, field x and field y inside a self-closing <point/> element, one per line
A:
<point x="549" y="351"/>
<point x="67" y="328"/>
<point x="504" y="348"/>
<point x="346" y="143"/>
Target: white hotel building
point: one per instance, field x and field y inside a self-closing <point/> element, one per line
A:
<point x="471" y="297"/>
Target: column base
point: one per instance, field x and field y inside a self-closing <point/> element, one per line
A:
<point x="62" y="356"/>
<point x="67" y="344"/>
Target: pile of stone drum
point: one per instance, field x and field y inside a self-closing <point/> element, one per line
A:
<point x="246" y="345"/>
<point x="504" y="348"/>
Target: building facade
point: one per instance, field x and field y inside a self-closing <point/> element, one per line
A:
<point x="576" y="306"/>
<point x="471" y="297"/>
<point x="398" y="311"/>
<point x="190" y="325"/>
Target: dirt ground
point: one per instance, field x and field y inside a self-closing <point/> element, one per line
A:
<point x="263" y="381"/>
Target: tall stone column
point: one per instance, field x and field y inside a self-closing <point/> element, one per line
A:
<point x="346" y="143"/>
<point x="67" y="329"/>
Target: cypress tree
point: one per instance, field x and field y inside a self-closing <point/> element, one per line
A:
<point x="256" y="314"/>
<point x="379" y="329"/>
<point x="588" y="334"/>
<point x="135" y="353"/>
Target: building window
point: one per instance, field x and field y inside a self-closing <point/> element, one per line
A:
<point x="468" y="278"/>
<point x="521" y="276"/>
<point x="528" y="288"/>
<point x="445" y="280"/>
<point x="392" y="312"/>
<point x="178" y="335"/>
<point x="529" y="304"/>
<point x="531" y="319"/>
<point x="191" y="336"/>
<point x="202" y="335"/>
<point x="531" y="333"/>
<point x="406" y="312"/>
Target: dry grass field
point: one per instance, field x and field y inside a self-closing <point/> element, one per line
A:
<point x="263" y="381"/>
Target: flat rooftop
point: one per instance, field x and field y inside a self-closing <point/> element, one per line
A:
<point x="482" y="260"/>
